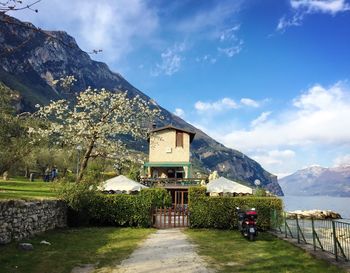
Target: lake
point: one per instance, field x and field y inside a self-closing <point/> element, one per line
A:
<point x="337" y="204"/>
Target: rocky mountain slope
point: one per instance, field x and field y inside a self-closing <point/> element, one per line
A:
<point x="31" y="58"/>
<point x="317" y="180"/>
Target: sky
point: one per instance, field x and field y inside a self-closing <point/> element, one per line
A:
<point x="269" y="78"/>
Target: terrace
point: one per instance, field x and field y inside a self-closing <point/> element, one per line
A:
<point x="170" y="183"/>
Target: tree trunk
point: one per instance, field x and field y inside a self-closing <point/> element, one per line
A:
<point x="85" y="161"/>
<point x="64" y="172"/>
<point x="26" y="174"/>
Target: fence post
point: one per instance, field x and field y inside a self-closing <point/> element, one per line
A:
<point x="335" y="241"/>
<point x="313" y="233"/>
<point x="298" y="235"/>
<point x="285" y="224"/>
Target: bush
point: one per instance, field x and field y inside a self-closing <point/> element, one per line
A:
<point x="221" y="212"/>
<point x="158" y="197"/>
<point x="88" y="206"/>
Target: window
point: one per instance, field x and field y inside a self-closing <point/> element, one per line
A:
<point x="179" y="139"/>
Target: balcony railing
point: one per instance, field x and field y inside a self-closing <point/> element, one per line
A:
<point x="170" y="182"/>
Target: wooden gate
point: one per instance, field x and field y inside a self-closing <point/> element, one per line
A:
<point x="171" y="217"/>
<point x="175" y="216"/>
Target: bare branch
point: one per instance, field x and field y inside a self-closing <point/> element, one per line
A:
<point x="15" y="5"/>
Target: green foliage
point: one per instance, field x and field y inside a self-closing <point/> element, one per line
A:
<point x="95" y="171"/>
<point x="78" y="196"/>
<point x="221" y="212"/>
<point x="260" y="192"/>
<point x="109" y="175"/>
<point x="157" y="197"/>
<point x="196" y="192"/>
<point x="14" y="140"/>
<point x="131" y="167"/>
<point x="88" y="206"/>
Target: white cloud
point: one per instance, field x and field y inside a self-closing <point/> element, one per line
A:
<point x="113" y="26"/>
<point x="231" y="50"/>
<point x="171" y="60"/>
<point x="208" y="20"/>
<point x="260" y="119"/>
<point x="300" y="8"/>
<point x="319" y="98"/>
<point x="231" y="45"/>
<point x="217" y="106"/>
<point x="274" y="157"/>
<point x="284" y="22"/>
<point x="342" y="160"/>
<point x="206" y="58"/>
<point x="225" y="104"/>
<point x="324" y="6"/>
<point x="229" y="33"/>
<point x="179" y="112"/>
<point x="279" y="162"/>
<point x="249" y="102"/>
<point x="318" y="116"/>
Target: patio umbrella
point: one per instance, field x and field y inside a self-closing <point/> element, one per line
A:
<point x="121" y="183"/>
<point x="223" y="184"/>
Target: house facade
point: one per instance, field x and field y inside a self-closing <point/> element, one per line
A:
<point x="169" y="153"/>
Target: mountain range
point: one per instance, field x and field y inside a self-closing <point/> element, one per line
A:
<point x="31" y="58"/>
<point x="316" y="180"/>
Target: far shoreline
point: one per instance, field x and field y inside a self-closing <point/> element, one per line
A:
<point x="318" y="202"/>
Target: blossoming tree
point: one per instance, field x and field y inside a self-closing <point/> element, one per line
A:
<point x="96" y="121"/>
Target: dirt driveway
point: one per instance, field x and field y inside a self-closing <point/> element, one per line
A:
<point x="168" y="251"/>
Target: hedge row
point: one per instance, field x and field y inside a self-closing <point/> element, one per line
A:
<point x="87" y="206"/>
<point x="220" y="212"/>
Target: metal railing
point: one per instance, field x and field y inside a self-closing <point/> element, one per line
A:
<point x="161" y="182"/>
<point x="326" y="235"/>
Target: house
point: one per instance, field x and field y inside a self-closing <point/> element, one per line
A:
<point x="169" y="153"/>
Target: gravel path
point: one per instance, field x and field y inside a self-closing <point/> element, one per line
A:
<point x="167" y="250"/>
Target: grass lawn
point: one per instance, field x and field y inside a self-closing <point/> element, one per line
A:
<point x="105" y="247"/>
<point x="228" y="251"/>
<point x="24" y="189"/>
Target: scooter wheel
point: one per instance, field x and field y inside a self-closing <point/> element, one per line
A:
<point x="251" y="237"/>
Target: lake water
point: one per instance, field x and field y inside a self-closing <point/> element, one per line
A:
<point x="337" y="204"/>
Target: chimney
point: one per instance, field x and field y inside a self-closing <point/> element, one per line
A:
<point x="154" y="125"/>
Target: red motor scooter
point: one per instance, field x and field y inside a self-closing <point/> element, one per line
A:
<point x="247" y="223"/>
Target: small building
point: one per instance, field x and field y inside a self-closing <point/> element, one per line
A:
<point x="169" y="153"/>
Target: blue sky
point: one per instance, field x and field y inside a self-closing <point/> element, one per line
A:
<point x="269" y="78"/>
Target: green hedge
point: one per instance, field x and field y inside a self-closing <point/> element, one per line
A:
<point x="128" y="210"/>
<point x="87" y="206"/>
<point x="220" y="212"/>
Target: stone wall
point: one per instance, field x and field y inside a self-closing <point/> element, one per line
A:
<point x="20" y="219"/>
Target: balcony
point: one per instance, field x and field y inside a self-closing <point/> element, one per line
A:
<point x="170" y="182"/>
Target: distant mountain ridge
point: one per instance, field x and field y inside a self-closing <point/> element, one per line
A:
<point x="31" y="58"/>
<point x="317" y="180"/>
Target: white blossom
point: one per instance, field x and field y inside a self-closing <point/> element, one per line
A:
<point x="96" y="120"/>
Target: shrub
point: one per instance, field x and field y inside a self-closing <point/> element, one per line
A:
<point x="221" y="212"/>
<point x="88" y="206"/>
<point x="158" y="197"/>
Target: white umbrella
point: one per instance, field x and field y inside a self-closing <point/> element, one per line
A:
<point x="121" y="183"/>
<point x="223" y="184"/>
